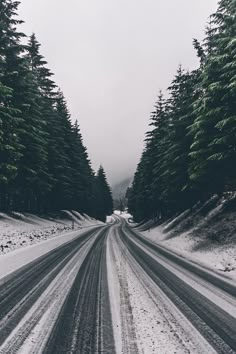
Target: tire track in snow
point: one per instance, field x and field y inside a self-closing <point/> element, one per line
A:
<point x="212" y="322"/>
<point x="51" y="290"/>
<point x="129" y="340"/>
<point x="155" y="324"/>
<point x="84" y="324"/>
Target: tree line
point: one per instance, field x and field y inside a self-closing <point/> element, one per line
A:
<point x="190" y="152"/>
<point x="44" y="165"/>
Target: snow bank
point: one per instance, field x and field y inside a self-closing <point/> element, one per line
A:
<point x="22" y="256"/>
<point x="218" y="257"/>
<point x="206" y="234"/>
<point x="19" y="230"/>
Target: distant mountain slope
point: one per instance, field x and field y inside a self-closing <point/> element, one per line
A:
<point x="119" y="189"/>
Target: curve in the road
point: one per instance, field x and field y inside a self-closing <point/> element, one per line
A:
<point x="82" y="321"/>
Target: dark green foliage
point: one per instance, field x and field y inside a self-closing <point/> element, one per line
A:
<point x="176" y="188"/>
<point x="82" y="175"/>
<point x="103" y="200"/>
<point x="43" y="162"/>
<point x="191" y="152"/>
<point x="11" y="63"/>
<point x="214" y="130"/>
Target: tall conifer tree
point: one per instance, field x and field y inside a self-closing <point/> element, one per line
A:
<point x="11" y="64"/>
<point x="104" y="201"/>
<point x="214" y="130"/>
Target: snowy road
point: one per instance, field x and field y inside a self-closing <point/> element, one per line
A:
<point x="110" y="290"/>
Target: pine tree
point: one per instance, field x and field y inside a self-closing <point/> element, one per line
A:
<point x="139" y="202"/>
<point x="177" y="189"/>
<point x="28" y="128"/>
<point x="160" y="120"/>
<point x="48" y="109"/>
<point x="43" y="162"/>
<point x="145" y="199"/>
<point x="38" y="64"/>
<point x="214" y="130"/>
<point x="104" y="201"/>
<point x="82" y="174"/>
<point x="59" y="155"/>
<point x="68" y="164"/>
<point x="33" y="181"/>
<point x="11" y="62"/>
<point x="191" y="152"/>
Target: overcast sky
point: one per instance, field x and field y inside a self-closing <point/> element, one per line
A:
<point x="110" y="58"/>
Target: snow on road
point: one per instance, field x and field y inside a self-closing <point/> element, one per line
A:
<point x="219" y="297"/>
<point x="33" y="331"/>
<point x="144" y="320"/>
<point x="145" y="317"/>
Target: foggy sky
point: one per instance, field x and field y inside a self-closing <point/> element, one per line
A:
<point x="110" y="58"/>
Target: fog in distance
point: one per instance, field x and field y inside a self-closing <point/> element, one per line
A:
<point x="110" y="58"/>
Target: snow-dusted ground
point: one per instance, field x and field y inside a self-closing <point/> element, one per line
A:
<point x="216" y="256"/>
<point x="145" y="317"/>
<point x="22" y="230"/>
<point x="26" y="237"/>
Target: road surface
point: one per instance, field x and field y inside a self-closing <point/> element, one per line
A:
<point x="110" y="290"/>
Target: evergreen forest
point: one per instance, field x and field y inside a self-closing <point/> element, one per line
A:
<point x="44" y="165"/>
<point x="190" y="150"/>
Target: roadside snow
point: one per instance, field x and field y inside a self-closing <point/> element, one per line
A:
<point x="22" y="256"/>
<point x="218" y="257"/>
<point x="25" y="237"/>
<point x="205" y="234"/>
<point x="209" y="291"/>
<point x="110" y="219"/>
<point x="21" y="230"/>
